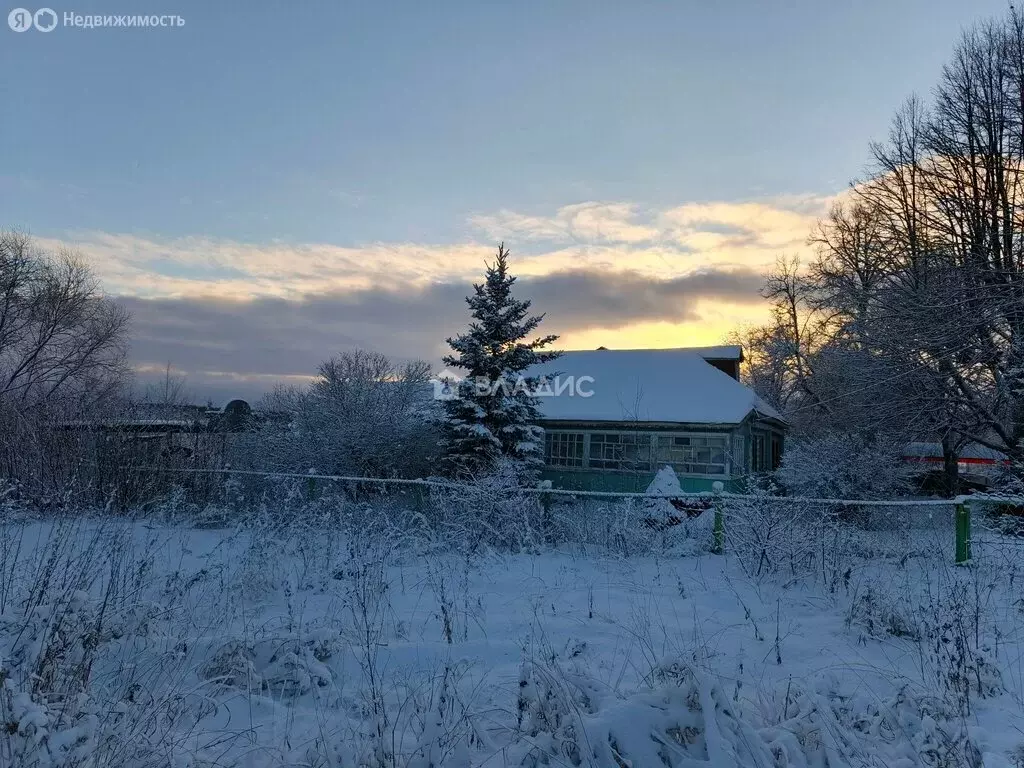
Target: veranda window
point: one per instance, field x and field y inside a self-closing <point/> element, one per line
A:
<point x="621" y="451"/>
<point x="694" y="454"/>
<point x="563" y="449"/>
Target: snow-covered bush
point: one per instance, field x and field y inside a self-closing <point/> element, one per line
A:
<point x="625" y="527"/>
<point x="665" y="483"/>
<point x="1001" y="509"/>
<point x="952" y="625"/>
<point x="492" y="510"/>
<point x="839" y="465"/>
<point x="774" y="535"/>
<point x="364" y="415"/>
<point x="547" y="715"/>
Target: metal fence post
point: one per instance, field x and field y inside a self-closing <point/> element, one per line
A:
<point x="718" y="544"/>
<point x="963" y="532"/>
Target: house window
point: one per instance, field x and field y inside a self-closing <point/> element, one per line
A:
<point x="621" y="451"/>
<point x="776" y="452"/>
<point x="759" y="454"/>
<point x="740" y="462"/>
<point x="563" y="449"/>
<point x="694" y="454"/>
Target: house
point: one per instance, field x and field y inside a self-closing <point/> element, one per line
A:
<point x="612" y="418"/>
<point x="978" y="466"/>
<point x="163" y="435"/>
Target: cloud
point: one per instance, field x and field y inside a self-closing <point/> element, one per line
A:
<point x="782" y="222"/>
<point x="179" y="267"/>
<point x="235" y="314"/>
<point x="582" y="222"/>
<point x="585" y="299"/>
<point x="596" y="235"/>
<point x="256" y="341"/>
<point x="749" y="224"/>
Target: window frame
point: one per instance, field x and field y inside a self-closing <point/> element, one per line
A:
<point x="603" y="462"/>
<point x="721" y="447"/>
<point x="567" y="440"/>
<point x="624" y="439"/>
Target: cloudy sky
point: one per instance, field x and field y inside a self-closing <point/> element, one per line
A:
<point x="272" y="182"/>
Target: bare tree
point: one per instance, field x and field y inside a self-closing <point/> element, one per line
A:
<point x="911" y="316"/>
<point x="168" y="391"/>
<point x="62" y="357"/>
<point x="977" y="138"/>
<point x="793" y="314"/>
<point x="61" y="339"/>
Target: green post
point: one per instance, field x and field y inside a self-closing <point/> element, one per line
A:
<point x="718" y="545"/>
<point x="311" y="488"/>
<point x="963" y="533"/>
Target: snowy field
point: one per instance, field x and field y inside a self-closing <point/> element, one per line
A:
<point x="147" y="643"/>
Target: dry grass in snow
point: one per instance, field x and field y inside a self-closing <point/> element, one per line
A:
<point x="328" y="644"/>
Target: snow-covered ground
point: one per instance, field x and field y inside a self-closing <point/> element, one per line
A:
<point x="151" y="644"/>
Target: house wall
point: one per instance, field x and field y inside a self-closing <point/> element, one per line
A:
<point x="582" y="462"/>
<point x="728" y="367"/>
<point x="744" y="456"/>
<point x="766" y="445"/>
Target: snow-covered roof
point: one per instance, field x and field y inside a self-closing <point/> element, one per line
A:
<point x="658" y="385"/>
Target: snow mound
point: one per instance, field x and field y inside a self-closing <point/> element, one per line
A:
<point x="665" y="483"/>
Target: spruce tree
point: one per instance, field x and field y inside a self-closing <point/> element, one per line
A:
<point x="495" y="411"/>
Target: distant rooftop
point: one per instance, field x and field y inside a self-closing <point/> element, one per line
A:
<point x="933" y="450"/>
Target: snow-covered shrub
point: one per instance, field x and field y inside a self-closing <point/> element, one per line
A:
<point x="881" y="616"/>
<point x="13" y="505"/>
<point x="491" y="510"/>
<point x="840" y="465"/>
<point x="687" y="719"/>
<point x="665" y="483"/>
<point x="291" y="668"/>
<point x="680" y="518"/>
<point x="952" y="626"/>
<point x="619" y="527"/>
<point x="233" y="665"/>
<point x="447" y="732"/>
<point x="773" y="535"/>
<point x="433" y="727"/>
<point x="547" y="714"/>
<point x="826" y="724"/>
<point x="1001" y="509"/>
<point x="364" y="415"/>
<point x="957" y="648"/>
